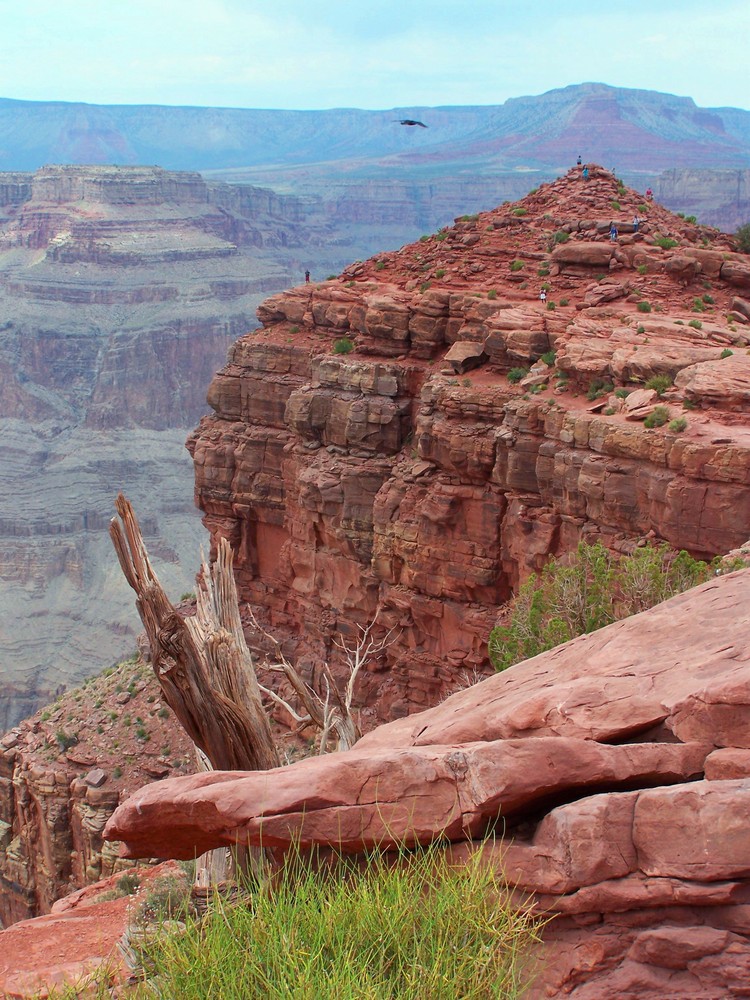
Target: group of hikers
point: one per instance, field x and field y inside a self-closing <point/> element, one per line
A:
<point x="613" y="230"/>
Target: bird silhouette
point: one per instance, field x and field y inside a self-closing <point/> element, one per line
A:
<point x="410" y="121"/>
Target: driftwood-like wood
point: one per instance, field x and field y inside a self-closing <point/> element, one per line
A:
<point x="202" y="663"/>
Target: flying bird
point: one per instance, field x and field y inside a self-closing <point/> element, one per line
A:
<point x="410" y="121"/>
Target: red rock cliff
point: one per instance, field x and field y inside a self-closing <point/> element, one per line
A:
<point x="412" y="477"/>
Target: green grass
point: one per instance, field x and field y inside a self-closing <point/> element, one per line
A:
<point x="343" y="345"/>
<point x="643" y="307"/>
<point x="406" y="927"/>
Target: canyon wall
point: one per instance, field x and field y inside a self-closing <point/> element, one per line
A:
<point x="413" y="479"/>
<point x="120" y="291"/>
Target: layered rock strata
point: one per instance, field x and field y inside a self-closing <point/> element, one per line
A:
<point x="120" y="290"/>
<point x="417" y="479"/>
<point x="612" y="773"/>
<point x="62" y="774"/>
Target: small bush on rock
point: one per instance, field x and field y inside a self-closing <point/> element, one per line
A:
<point x="743" y="238"/>
<point x="660" y="383"/>
<point x="516" y="374"/>
<point x="343" y="346"/>
<point x="644" y="307"/>
<point x="657" y="418"/>
<point x="590" y="592"/>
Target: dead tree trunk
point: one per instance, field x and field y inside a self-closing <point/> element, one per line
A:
<point x="202" y="663"/>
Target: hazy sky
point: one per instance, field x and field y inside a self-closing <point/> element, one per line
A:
<point x="392" y="53"/>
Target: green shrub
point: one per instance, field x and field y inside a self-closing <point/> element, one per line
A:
<point x="424" y="286"/>
<point x="380" y="266"/>
<point x="599" y="387"/>
<point x="699" y="305"/>
<point x="332" y="277"/>
<point x="561" y="236"/>
<point x="691" y="218"/>
<point x="65" y="740"/>
<point x="492" y="294"/>
<point x="622" y="393"/>
<point x="708" y="299"/>
<point x="587" y="594"/>
<point x="678" y="425"/>
<point x="657" y="418"/>
<point x="468" y="218"/>
<point x="743" y="238"/>
<point x="551" y="306"/>
<point x="440" y="273"/>
<point x="642" y="269"/>
<point x="543" y="272"/>
<point x="520" y="211"/>
<point x="424" y="238"/>
<point x="696" y="324"/>
<point x="548" y="358"/>
<point x="343" y="345"/>
<point x="516" y="374"/>
<point x="128" y="883"/>
<point x="441" y="236"/>
<point x="640" y="329"/>
<point x="117" y="772"/>
<point x="644" y="307"/>
<point x="642" y="209"/>
<point x="665" y="242"/>
<point x="516" y="265"/>
<point x="615" y="205"/>
<point x="410" y="927"/>
<point x="660" y="383"/>
<point x="688" y="404"/>
<point x="564" y="302"/>
<point x="726" y="353"/>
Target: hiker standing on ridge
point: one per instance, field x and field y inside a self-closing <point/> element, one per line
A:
<point x="543" y="296"/>
<point x="649" y="194"/>
<point x="307" y="277"/>
<point x="585" y="173"/>
<point x="579" y="161"/>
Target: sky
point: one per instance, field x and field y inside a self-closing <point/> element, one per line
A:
<point x="311" y="54"/>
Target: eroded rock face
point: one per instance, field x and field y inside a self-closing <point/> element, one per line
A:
<point x="619" y="806"/>
<point x="120" y="290"/>
<point x="393" y="480"/>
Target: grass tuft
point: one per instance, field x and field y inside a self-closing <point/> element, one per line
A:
<point x="404" y="926"/>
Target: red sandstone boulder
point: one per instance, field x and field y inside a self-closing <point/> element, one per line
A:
<point x="724" y="384"/>
<point x="583" y="254"/>
<point x="588" y="754"/>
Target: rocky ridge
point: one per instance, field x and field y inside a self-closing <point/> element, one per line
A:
<point x="64" y="770"/>
<point x="414" y="479"/>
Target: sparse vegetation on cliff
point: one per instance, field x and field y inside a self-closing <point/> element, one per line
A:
<point x="743" y="238"/>
<point x="592" y="591"/>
